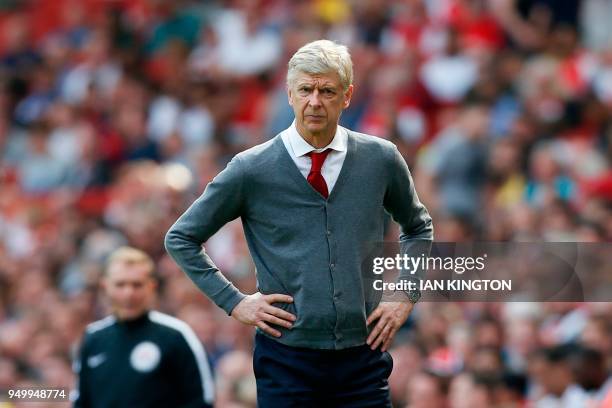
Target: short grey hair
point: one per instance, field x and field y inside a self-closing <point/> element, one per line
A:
<point x="322" y="57"/>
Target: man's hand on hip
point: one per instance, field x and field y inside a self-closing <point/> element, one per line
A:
<point x="257" y="310"/>
<point x="391" y="316"/>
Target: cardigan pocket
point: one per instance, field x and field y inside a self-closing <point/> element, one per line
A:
<point x="273" y="285"/>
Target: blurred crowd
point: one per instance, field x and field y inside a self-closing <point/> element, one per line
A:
<point x="115" y="114"/>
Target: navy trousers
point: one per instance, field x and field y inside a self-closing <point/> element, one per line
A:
<point x="300" y="377"/>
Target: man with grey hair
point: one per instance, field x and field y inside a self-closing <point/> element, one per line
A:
<point x="310" y="201"/>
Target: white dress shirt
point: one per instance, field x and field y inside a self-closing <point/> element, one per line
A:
<point x="299" y="148"/>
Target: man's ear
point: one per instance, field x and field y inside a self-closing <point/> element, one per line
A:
<point x="347" y="96"/>
<point x="154" y="283"/>
<point x="289" y="93"/>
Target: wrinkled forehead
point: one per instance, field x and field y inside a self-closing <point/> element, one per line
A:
<point x="329" y="79"/>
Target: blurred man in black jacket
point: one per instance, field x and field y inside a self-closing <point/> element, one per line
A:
<point x="139" y="357"/>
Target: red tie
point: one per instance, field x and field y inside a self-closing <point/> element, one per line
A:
<point x="315" y="178"/>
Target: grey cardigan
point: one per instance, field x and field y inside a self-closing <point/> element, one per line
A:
<point x="302" y="244"/>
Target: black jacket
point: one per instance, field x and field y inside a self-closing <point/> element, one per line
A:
<point x="153" y="361"/>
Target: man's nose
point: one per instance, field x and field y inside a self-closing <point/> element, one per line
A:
<point x="315" y="98"/>
<point x="127" y="291"/>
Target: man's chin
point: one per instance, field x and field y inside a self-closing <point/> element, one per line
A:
<point x="316" y="127"/>
<point x="129" y="314"/>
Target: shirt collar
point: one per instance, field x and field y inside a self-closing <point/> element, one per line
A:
<point x="301" y="147"/>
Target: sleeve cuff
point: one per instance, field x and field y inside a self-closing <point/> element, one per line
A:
<point x="229" y="298"/>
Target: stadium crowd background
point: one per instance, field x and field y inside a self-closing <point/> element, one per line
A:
<point x="115" y="114"/>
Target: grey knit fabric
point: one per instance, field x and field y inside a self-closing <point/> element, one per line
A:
<point x="302" y="244"/>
